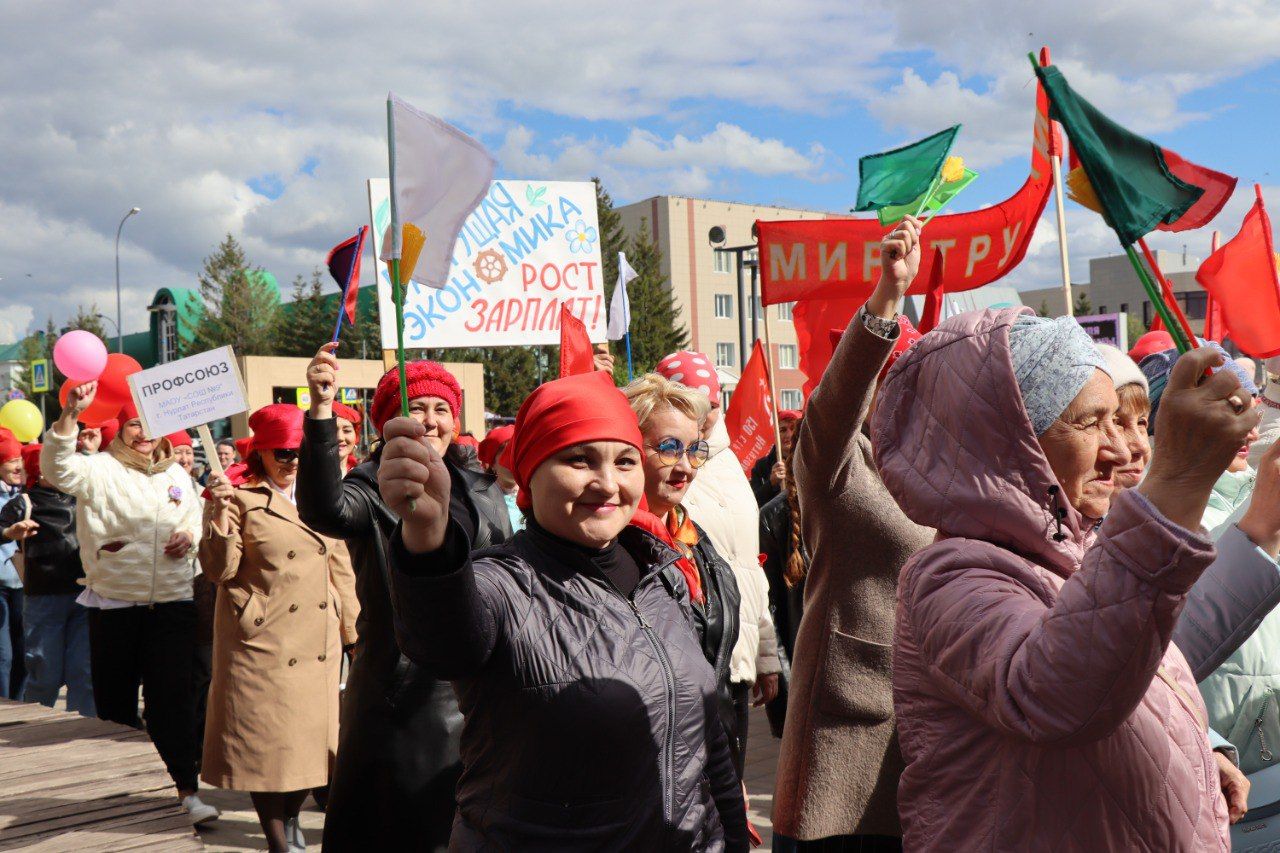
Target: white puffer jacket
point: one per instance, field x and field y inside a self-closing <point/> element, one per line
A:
<point x="721" y="502"/>
<point x="120" y="506"/>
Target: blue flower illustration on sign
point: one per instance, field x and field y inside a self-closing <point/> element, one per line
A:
<point x="581" y="238"/>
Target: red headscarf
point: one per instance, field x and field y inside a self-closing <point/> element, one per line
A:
<point x="128" y="411"/>
<point x="31" y="463"/>
<point x="243" y="446"/>
<point x="277" y="427"/>
<point x="693" y="370"/>
<point x="467" y="441"/>
<point x="564" y="412"/>
<point x="10" y="447"/>
<point x="789" y="414"/>
<point x="423" y="379"/>
<point x="179" y="438"/>
<point x="492" y="443"/>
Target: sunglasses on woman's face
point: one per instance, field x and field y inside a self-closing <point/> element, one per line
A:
<point x="285" y="455"/>
<point x="670" y="450"/>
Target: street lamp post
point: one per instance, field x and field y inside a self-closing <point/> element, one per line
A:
<point x="119" y="320"/>
<point x="109" y="320"/>
<point x="716" y="237"/>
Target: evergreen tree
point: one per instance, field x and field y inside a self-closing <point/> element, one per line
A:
<point x="240" y="304"/>
<point x="1082" y="306"/>
<point x="306" y="322"/>
<point x="364" y="338"/>
<point x="656" y="327"/>
<point x="89" y="321"/>
<point x="1044" y="308"/>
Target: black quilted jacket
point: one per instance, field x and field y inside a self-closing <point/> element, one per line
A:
<point x="590" y="717"/>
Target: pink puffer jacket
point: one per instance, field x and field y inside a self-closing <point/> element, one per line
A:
<point x="1040" y="703"/>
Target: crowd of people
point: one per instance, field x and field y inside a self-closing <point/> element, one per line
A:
<point x="998" y="587"/>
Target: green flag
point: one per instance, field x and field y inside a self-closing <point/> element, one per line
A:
<point x="946" y="191"/>
<point x="904" y="174"/>
<point x="1135" y="187"/>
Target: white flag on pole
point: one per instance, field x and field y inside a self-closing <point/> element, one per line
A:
<point x="438" y="176"/>
<point x="620" y="305"/>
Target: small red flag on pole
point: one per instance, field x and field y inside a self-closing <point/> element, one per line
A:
<point x="575" y="345"/>
<point x="749" y="419"/>
<point x="1241" y="278"/>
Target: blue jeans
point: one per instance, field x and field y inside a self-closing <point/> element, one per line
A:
<point x="12" y="670"/>
<point x="57" y="637"/>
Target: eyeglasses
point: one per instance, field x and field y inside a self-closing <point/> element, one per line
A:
<point x="670" y="450"/>
<point x="285" y="455"/>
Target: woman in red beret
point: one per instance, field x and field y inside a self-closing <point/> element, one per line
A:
<point x="398" y="764"/>
<point x="591" y="717"/>
<point x="347" y="420"/>
<point x="281" y="622"/>
<point x="490" y="455"/>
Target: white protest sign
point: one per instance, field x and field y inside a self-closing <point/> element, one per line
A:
<point x="528" y="247"/>
<point x="190" y="392"/>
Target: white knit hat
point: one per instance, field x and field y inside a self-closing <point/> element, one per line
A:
<point x="1122" y="369"/>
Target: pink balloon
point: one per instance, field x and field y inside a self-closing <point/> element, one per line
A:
<point x="80" y="355"/>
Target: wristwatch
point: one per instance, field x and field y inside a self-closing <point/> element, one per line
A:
<point x="880" y="327"/>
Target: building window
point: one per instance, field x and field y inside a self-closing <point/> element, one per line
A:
<point x="1102" y="309"/>
<point x="1146" y="313"/>
<point x="726" y="355"/>
<point x="1124" y="307"/>
<point x="1194" y="304"/>
<point x="724" y="261"/>
<point x="791" y="398"/>
<point x="724" y="306"/>
<point x="726" y="394"/>
<point x="787" y="356"/>
<point x="784" y="311"/>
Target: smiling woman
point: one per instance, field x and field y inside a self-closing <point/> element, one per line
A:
<point x="551" y="641"/>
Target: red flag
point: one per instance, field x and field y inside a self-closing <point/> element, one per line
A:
<point x="344" y="265"/>
<point x="932" y="312"/>
<point x="1214" y="327"/>
<point x="750" y="416"/>
<point x="575" y="345"/>
<point x="1241" y="278"/>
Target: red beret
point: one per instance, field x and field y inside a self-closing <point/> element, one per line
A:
<point x="342" y="410"/>
<point x="128" y="411"/>
<point x="179" y="438"/>
<point x="1151" y="342"/>
<point x="492" y="443"/>
<point x="423" y="379"/>
<point x="277" y="427"/>
<point x="31" y="463"/>
<point x="564" y="412"/>
<point x="789" y="415"/>
<point x="109" y="429"/>
<point x="10" y="447"/>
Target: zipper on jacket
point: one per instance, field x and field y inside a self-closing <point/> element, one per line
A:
<point x="669" y="746"/>
<point x="1265" y="753"/>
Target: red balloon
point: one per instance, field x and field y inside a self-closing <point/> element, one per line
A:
<point x="105" y="406"/>
<point x="114" y="377"/>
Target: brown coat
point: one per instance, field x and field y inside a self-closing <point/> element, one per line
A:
<point x="839" y="764"/>
<point x="286" y="606"/>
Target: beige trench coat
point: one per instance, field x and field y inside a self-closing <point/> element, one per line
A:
<point x="286" y="606"/>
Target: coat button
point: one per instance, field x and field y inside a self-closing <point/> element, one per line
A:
<point x="321" y="657"/>
<point x="324" y="605"/>
<point x="292" y="661"/>
<point x="258" y="621"/>
<point x="293" y="608"/>
<point x="291" y="555"/>
<point x="323" y="549"/>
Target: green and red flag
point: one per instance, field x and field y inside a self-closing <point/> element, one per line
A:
<point x="1241" y="279"/>
<point x="903" y="175"/>
<point x="1135" y="189"/>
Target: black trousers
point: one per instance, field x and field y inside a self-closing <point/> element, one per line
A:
<point x="735" y="723"/>
<point x="152" y="646"/>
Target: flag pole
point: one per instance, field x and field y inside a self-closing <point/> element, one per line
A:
<point x="397" y="289"/>
<point x="773" y="394"/>
<point x="337" y="329"/>
<point x="1055" y="161"/>
<point x="627" y="337"/>
<point x="1167" y="289"/>
<point x="1157" y="299"/>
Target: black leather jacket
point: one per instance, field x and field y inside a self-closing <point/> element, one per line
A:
<point x="397" y="765"/>
<point x="717" y="620"/>
<point x="52" y="556"/>
<point x="591" y="719"/>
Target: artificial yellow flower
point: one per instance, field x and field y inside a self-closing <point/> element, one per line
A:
<point x="952" y="169"/>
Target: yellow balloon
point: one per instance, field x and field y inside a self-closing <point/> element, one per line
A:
<point x="23" y="419"/>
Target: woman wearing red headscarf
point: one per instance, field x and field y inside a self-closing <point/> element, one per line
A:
<point x="398" y="763"/>
<point x="591" y="714"/>
<point x="279" y="629"/>
<point x="347" y="420"/>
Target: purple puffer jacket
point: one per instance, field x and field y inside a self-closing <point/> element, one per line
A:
<point x="1040" y="703"/>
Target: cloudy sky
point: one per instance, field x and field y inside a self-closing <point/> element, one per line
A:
<point x="263" y="119"/>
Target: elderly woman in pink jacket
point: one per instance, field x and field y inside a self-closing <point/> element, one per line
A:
<point x="1040" y="703"/>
